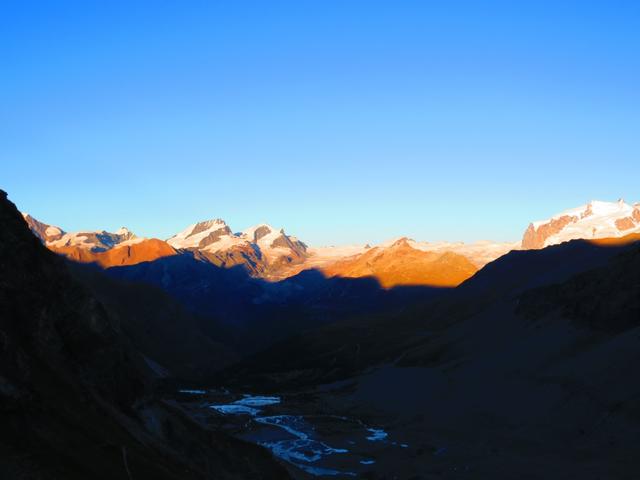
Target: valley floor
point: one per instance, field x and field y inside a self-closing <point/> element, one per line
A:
<point x="348" y="430"/>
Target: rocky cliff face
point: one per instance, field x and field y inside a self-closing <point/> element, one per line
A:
<point x="537" y="237"/>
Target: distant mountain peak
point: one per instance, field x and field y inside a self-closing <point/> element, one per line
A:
<point x="257" y="232"/>
<point x="211" y="223"/>
<point x="124" y="231"/>
<point x="596" y="219"/>
<point x="201" y="234"/>
<point x="402" y="242"/>
<point x="260" y="247"/>
<point x="46" y="233"/>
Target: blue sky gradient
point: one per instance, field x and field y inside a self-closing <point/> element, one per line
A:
<point x="342" y="121"/>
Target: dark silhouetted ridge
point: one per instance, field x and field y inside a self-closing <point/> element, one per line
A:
<point x="75" y="395"/>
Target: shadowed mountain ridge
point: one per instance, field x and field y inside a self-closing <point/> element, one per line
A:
<point x="76" y="397"/>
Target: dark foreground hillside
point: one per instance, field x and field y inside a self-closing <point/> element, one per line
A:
<point x="76" y="397"/>
<point x="528" y="371"/>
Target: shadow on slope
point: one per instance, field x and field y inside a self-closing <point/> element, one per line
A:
<point x="76" y="398"/>
<point x="171" y="338"/>
<point x="605" y="299"/>
<point x="253" y="313"/>
<point x="411" y="335"/>
<point x="525" y="371"/>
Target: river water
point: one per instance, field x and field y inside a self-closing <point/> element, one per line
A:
<point x="319" y="444"/>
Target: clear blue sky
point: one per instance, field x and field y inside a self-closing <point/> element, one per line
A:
<point x="342" y="121"/>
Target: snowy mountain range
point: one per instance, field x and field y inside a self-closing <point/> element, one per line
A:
<point x="214" y="236"/>
<point x="269" y="253"/>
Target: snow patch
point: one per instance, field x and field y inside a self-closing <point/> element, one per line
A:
<point x="51" y="231"/>
<point x="186" y="238"/>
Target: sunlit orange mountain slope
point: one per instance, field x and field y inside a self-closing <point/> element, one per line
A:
<point x="128" y="253"/>
<point x="400" y="264"/>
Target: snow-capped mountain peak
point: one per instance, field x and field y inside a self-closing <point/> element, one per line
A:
<point x="258" y="232"/>
<point x="46" y="233"/>
<point x="215" y="237"/>
<point x="201" y="234"/>
<point x="96" y="241"/>
<point x="596" y="219"/>
<point x="274" y="242"/>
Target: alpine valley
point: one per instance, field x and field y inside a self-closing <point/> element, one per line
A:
<point x="219" y="354"/>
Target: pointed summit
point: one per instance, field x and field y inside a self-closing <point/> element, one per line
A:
<point x="200" y="234"/>
<point x="274" y="243"/>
